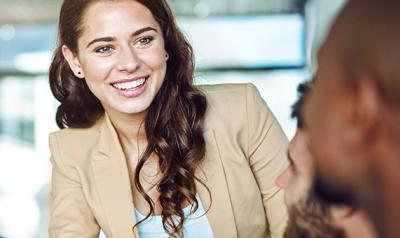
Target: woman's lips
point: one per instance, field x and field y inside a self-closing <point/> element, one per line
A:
<point x="131" y="88"/>
<point x="130" y="84"/>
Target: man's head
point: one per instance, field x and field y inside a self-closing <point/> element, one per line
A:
<point x="354" y="108"/>
<point x="298" y="177"/>
<point x="308" y="216"/>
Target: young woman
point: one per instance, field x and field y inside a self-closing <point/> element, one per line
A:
<point x="142" y="151"/>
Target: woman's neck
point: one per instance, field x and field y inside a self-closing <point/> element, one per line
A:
<point x="130" y="128"/>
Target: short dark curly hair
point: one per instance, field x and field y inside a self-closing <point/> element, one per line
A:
<point x="297" y="108"/>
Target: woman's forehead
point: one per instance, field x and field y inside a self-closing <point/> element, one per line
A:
<point x="115" y="13"/>
<point x="111" y="19"/>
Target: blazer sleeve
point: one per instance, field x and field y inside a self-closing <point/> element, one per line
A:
<point x="267" y="146"/>
<point x="70" y="214"/>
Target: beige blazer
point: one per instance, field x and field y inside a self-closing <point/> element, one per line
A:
<point x="245" y="152"/>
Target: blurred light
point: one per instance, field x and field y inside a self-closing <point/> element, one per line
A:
<point x="19" y="217"/>
<point x="246" y="41"/>
<point x="35" y="62"/>
<point x="19" y="171"/>
<point x="20" y="92"/>
<point x="201" y="10"/>
<point x="7" y="32"/>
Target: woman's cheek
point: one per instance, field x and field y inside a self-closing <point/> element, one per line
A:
<point x="100" y="67"/>
<point x="154" y="58"/>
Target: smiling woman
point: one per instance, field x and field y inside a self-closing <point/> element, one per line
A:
<point x="139" y="138"/>
<point x="124" y="66"/>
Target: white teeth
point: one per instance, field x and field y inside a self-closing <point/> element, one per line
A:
<point x="129" y="85"/>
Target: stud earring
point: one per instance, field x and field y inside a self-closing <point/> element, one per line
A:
<point x="166" y="55"/>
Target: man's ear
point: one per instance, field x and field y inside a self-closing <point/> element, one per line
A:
<point x="73" y="62"/>
<point x="364" y="116"/>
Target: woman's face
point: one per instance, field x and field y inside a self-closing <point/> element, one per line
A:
<point x="121" y="55"/>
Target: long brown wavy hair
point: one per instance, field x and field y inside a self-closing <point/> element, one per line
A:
<point x="175" y="118"/>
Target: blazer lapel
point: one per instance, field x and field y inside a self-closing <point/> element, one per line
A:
<point x="220" y="214"/>
<point x="113" y="183"/>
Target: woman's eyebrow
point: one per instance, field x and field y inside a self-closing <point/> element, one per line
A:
<point x="140" y="31"/>
<point x="106" y="39"/>
<point x="110" y="38"/>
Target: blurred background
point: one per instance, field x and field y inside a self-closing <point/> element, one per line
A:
<point x="270" y="43"/>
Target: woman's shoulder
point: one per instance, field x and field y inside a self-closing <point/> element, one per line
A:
<point x="221" y="89"/>
<point x="231" y="96"/>
<point x="75" y="140"/>
<point x="79" y="132"/>
<point x="230" y="105"/>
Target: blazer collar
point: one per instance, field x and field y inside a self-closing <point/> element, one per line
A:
<point x="220" y="213"/>
<point x="113" y="184"/>
<point x="107" y="135"/>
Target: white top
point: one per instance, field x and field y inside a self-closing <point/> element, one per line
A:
<point x="196" y="225"/>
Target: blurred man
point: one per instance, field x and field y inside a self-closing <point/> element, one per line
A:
<point x="353" y="112"/>
<point x="309" y="217"/>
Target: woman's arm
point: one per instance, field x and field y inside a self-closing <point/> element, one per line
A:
<point x="70" y="214"/>
<point x="267" y="156"/>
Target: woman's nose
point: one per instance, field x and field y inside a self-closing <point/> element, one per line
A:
<point x="128" y="60"/>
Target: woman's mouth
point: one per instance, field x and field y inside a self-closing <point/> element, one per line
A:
<point x="129" y="85"/>
<point x="131" y="88"/>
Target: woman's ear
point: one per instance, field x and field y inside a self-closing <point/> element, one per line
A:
<point x="73" y="62"/>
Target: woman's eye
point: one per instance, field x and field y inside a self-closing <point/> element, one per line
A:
<point x="145" y="40"/>
<point x="104" y="49"/>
